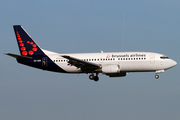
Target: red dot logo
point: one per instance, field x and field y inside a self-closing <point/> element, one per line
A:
<point x="34" y="45"/>
<point x="31" y="52"/>
<point x="23" y="48"/>
<point x="20" y="41"/>
<point x="22" y="44"/>
<point x="34" y="49"/>
<point x="24" y="53"/>
<point x="17" y="33"/>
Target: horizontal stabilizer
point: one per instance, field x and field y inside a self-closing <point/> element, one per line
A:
<point x="18" y="56"/>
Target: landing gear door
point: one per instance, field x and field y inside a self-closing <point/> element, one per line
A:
<point x="44" y="62"/>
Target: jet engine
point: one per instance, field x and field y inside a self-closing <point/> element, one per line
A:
<point x="108" y="69"/>
<point x="113" y="71"/>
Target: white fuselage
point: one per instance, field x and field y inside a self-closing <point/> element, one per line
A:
<point x="128" y="61"/>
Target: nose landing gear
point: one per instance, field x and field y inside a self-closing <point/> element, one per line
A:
<point x="158" y="71"/>
<point x="156" y="76"/>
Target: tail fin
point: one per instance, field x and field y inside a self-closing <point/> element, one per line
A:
<point x="27" y="46"/>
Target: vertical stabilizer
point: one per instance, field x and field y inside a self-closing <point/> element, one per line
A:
<point x="27" y="46"/>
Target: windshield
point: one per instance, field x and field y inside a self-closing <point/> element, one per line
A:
<point x="164" y="57"/>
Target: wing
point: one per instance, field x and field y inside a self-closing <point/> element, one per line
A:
<point x="84" y="65"/>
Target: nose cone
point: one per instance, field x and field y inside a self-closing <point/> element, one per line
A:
<point x="173" y="63"/>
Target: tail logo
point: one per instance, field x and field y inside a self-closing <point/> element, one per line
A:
<point x="23" y="47"/>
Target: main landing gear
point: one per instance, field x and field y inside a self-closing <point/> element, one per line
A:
<point x="92" y="77"/>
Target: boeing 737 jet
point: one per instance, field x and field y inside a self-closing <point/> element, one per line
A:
<point x="112" y="64"/>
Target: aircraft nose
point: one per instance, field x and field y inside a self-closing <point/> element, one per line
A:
<point x="173" y="63"/>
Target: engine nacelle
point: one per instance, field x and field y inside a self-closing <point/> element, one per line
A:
<point x="108" y="69"/>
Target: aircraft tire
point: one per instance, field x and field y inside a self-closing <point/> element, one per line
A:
<point x="91" y="77"/>
<point x="156" y="76"/>
<point x="96" y="78"/>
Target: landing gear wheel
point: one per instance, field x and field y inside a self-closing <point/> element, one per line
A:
<point x="91" y="77"/>
<point x="156" y="76"/>
<point x="96" y="78"/>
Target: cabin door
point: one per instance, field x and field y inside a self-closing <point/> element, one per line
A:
<point x="152" y="59"/>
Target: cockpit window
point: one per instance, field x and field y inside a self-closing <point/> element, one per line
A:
<point x="164" y="57"/>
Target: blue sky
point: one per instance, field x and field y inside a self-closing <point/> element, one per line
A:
<point x="77" y="26"/>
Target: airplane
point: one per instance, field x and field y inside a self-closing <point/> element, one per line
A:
<point x="112" y="64"/>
